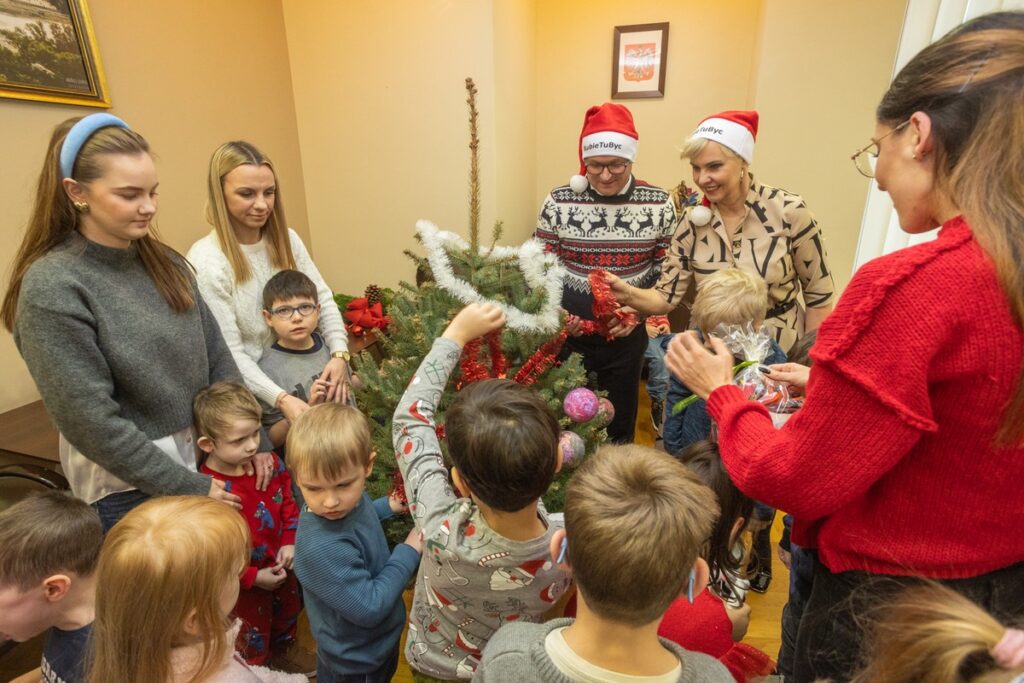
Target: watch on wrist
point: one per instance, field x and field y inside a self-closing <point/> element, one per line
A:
<point x="344" y="355"/>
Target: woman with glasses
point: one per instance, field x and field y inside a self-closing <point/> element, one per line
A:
<point x="742" y="224"/>
<point x="607" y="219"/>
<point x="251" y="242"/>
<point x="907" y="457"/>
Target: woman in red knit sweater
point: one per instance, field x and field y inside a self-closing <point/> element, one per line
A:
<point x="908" y="455"/>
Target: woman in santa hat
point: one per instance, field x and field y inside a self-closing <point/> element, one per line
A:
<point x="743" y="224"/>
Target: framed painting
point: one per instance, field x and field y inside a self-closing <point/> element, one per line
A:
<point x="48" y="53"/>
<point x="638" y="61"/>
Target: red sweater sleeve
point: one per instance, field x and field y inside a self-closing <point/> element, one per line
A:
<point x="828" y="454"/>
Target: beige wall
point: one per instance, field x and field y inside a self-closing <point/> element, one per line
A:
<point x="362" y="107"/>
<point x="383" y="126"/>
<point x="822" y="67"/>
<point x="711" y="53"/>
<point x="188" y="75"/>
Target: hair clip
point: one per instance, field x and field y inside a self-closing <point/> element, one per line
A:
<point x="689" y="586"/>
<point x="563" y="549"/>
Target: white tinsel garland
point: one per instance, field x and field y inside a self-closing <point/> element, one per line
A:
<point x="541" y="270"/>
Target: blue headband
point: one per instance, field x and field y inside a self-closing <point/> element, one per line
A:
<point x="79" y="134"/>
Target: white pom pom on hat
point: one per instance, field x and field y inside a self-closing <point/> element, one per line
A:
<point x="700" y="215"/>
<point x="579" y="184"/>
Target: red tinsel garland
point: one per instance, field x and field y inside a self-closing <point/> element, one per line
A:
<point x="605" y="307"/>
<point x="542" y="359"/>
<point x="473" y="370"/>
<point x="398" y="487"/>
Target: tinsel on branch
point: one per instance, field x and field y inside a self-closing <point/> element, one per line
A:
<point x="525" y="281"/>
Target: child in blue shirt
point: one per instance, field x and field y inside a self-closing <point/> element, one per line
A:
<point x="729" y="297"/>
<point x="352" y="584"/>
<point x="49" y="547"/>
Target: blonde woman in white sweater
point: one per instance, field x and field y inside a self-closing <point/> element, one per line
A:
<point x="250" y="243"/>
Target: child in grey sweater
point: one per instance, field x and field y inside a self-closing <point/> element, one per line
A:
<point x="635" y="521"/>
<point x="485" y="558"/>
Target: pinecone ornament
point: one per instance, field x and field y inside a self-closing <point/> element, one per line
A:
<point x="372" y="294"/>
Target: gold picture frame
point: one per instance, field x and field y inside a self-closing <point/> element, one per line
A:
<point x="48" y="53"/>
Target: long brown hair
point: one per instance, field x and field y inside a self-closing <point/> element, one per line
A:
<point x="164" y="561"/>
<point x="971" y="85"/>
<point x="225" y="159"/>
<point x="931" y="633"/>
<point x="54" y="218"/>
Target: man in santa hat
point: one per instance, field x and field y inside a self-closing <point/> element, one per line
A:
<point x="607" y="219"/>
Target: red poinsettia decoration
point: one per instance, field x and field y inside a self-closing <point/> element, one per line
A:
<point x="360" y="316"/>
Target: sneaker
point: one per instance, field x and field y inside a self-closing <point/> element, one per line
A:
<point x="657" y="413"/>
<point x="761" y="580"/>
<point x="295" y="660"/>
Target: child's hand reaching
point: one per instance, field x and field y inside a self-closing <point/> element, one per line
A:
<point x="270" y="578"/>
<point x="286" y="556"/>
<point x="475" y="320"/>
<point x="396" y="505"/>
<point x="415" y="539"/>
<point x="318" y="391"/>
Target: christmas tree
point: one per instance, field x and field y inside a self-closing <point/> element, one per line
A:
<point x="527" y="283"/>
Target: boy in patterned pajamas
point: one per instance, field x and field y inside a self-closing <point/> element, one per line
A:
<point x="485" y="557"/>
<point x="227" y="420"/>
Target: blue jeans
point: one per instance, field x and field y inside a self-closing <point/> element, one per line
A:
<point x="115" y="506"/>
<point x="381" y="675"/>
<point x="657" y="372"/>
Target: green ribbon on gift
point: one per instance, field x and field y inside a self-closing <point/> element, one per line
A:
<point x="686" y="402"/>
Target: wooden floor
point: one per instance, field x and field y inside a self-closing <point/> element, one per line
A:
<point x="765" y="616"/>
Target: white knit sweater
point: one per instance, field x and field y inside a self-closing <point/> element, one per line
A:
<point x="238" y="306"/>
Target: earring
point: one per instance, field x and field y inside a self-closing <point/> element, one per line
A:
<point x="81" y="207"/>
<point x="689" y="586"/>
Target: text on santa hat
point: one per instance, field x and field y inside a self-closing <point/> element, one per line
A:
<point x="613" y="146"/>
<point x="710" y="129"/>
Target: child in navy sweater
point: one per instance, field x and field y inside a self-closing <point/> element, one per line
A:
<point x="352" y="583"/>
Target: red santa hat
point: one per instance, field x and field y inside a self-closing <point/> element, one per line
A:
<point x="608" y="130"/>
<point x="736" y="130"/>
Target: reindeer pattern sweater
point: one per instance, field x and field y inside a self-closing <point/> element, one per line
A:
<point x="626" y="234"/>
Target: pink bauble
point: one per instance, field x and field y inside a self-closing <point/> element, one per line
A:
<point x="573" y="448"/>
<point x="606" y="411"/>
<point x="581" y="404"/>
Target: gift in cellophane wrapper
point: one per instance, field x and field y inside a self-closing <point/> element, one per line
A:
<point x="751" y="348"/>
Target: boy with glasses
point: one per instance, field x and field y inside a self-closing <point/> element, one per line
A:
<point x="297" y="358"/>
<point x="608" y="219"/>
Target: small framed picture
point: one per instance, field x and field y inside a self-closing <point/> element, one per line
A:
<point x="48" y="53"/>
<point x="638" y="61"/>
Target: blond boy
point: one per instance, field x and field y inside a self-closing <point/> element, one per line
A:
<point x="635" y="521"/>
<point x="351" y="582"/>
<point x="728" y="297"/>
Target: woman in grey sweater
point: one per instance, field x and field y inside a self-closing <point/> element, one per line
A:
<point x="110" y="323"/>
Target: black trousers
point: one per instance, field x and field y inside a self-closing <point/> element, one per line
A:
<point x="617" y="364"/>
<point x="831" y="641"/>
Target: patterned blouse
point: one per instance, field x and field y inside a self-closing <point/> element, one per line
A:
<point x="778" y="240"/>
